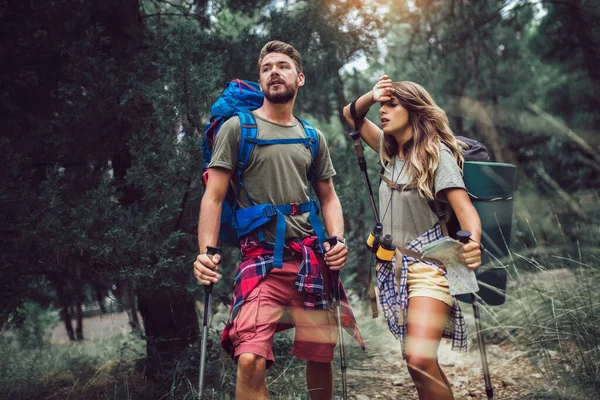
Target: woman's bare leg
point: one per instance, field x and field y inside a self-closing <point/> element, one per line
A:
<point x="426" y="321"/>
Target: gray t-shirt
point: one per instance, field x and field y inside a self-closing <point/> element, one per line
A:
<point x="406" y="215"/>
<point x="276" y="174"/>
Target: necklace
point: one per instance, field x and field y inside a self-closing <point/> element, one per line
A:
<point x="395" y="180"/>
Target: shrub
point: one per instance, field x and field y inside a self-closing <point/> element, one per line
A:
<point x="37" y="326"/>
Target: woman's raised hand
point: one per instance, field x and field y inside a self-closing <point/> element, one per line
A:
<point x="383" y="90"/>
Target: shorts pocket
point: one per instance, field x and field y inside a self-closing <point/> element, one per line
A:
<point x="244" y="325"/>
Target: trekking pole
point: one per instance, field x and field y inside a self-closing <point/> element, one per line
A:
<point x="210" y="251"/>
<point x="376" y="233"/>
<point x="335" y="275"/>
<point x="464" y="236"/>
<point x="358" y="148"/>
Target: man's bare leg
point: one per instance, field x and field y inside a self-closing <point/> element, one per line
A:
<point x="251" y="378"/>
<point x="319" y="380"/>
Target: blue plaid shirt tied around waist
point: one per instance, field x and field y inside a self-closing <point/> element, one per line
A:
<point x="394" y="299"/>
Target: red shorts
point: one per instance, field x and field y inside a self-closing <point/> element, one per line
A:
<point x="315" y="334"/>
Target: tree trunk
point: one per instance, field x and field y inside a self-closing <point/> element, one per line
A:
<point x="130" y="307"/>
<point x="171" y="326"/>
<point x="78" y="300"/>
<point x="589" y="49"/>
<point x="63" y="303"/>
<point x="477" y="110"/>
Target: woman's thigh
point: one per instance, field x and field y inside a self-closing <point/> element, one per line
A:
<point x="426" y="320"/>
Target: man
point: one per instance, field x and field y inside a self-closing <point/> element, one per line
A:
<point x="277" y="174"/>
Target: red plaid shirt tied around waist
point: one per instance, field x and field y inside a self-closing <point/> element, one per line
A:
<point x="257" y="261"/>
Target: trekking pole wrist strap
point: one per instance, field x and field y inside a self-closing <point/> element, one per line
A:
<point x="479" y="243"/>
<point x="357" y="120"/>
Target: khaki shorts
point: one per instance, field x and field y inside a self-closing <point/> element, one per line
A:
<point x="424" y="280"/>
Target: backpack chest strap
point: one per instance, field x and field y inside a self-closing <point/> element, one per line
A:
<point x="306" y="141"/>
<point x="397" y="186"/>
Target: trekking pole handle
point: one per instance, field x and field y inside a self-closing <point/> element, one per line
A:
<point x="354" y="135"/>
<point x="463" y="236"/>
<point x="335" y="275"/>
<point x="332" y="240"/>
<point x="210" y="251"/>
<point x="362" y="163"/>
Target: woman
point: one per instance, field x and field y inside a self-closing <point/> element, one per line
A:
<point x="422" y="162"/>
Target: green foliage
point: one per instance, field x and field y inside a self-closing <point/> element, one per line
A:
<point x="103" y="106"/>
<point x="75" y="370"/>
<point x="35" y="330"/>
<point x="553" y="316"/>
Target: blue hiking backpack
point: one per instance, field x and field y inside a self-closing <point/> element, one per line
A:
<point x="240" y="98"/>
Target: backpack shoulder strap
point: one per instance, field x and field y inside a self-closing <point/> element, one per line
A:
<point x="438" y="209"/>
<point x="249" y="130"/>
<point x="313" y="218"/>
<point x="311" y="133"/>
<point x="382" y="168"/>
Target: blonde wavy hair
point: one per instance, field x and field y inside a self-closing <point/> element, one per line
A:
<point x="430" y="128"/>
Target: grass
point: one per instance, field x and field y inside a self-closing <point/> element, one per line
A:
<point x="67" y="370"/>
<point x="552" y="315"/>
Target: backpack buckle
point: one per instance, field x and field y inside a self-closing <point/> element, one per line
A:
<point x="295" y="208"/>
<point x="309" y="142"/>
<point x="269" y="210"/>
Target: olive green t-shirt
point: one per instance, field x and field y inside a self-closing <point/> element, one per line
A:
<point x="276" y="174"/>
<point x="406" y="215"/>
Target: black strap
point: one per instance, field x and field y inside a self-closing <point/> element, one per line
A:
<point x="357" y="120"/>
<point x="439" y="211"/>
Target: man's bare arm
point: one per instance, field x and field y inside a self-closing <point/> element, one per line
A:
<point x="209" y="224"/>
<point x="333" y="218"/>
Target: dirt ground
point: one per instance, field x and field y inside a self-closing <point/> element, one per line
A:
<point x="384" y="375"/>
<point x="380" y="372"/>
<point x="98" y="326"/>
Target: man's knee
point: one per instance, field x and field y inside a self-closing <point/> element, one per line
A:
<point x="251" y="365"/>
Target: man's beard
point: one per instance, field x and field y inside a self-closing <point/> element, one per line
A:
<point x="281" y="97"/>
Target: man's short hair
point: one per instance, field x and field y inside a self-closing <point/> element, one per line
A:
<point x="276" y="46"/>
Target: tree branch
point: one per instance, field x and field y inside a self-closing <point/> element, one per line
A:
<point x="561" y="193"/>
<point x="562" y="127"/>
<point x="167" y="14"/>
